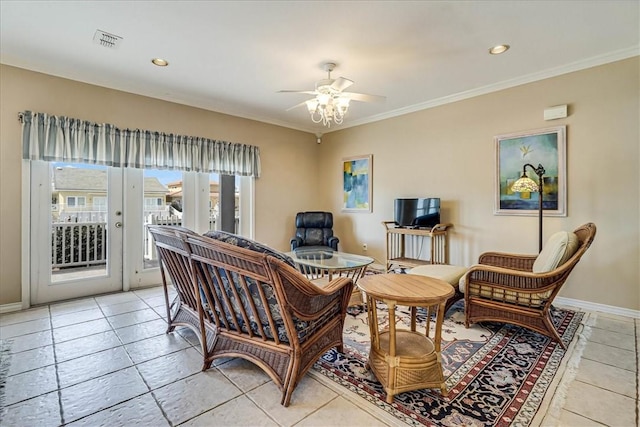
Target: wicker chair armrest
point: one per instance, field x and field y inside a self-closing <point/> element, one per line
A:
<point x="336" y="284"/>
<point x="506" y="260"/>
<point x="337" y="290"/>
<point x="512" y="280"/>
<point x="305" y="298"/>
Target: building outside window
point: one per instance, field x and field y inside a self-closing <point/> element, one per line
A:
<point x="76" y="201"/>
<point x="100" y="203"/>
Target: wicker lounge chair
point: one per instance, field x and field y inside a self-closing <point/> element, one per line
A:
<point x="506" y="288"/>
<point x="250" y="302"/>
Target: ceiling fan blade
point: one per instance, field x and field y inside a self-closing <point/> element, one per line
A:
<point x="363" y="97"/>
<point x="308" y="92"/>
<point x="341" y="84"/>
<point x="296" y="106"/>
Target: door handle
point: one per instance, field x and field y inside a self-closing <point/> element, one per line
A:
<point x="118" y="225"/>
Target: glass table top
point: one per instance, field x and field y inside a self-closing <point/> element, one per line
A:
<point x="327" y="259"/>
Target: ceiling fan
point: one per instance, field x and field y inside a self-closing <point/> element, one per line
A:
<point x="330" y="103"/>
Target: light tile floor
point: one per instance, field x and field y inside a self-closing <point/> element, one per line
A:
<point x="106" y="360"/>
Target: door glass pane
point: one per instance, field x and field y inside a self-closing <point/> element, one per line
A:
<point x="78" y="221"/>
<point x="162" y="192"/>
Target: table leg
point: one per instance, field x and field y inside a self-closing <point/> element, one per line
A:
<point x="413" y="319"/>
<point x="391" y="381"/>
<point x="438" y="339"/>
<point x="439" y="322"/>
<point x="372" y="316"/>
<point x="355" y="275"/>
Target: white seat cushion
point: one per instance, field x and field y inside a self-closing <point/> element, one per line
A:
<point x="462" y="283"/>
<point x="559" y="248"/>
<point x="449" y="273"/>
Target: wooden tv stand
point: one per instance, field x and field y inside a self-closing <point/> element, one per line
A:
<point x="398" y="238"/>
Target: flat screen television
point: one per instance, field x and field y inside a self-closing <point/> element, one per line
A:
<point x="419" y="212"/>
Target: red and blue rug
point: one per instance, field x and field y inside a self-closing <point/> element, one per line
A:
<point x="497" y="374"/>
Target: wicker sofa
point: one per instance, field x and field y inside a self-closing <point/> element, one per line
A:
<point x="245" y="300"/>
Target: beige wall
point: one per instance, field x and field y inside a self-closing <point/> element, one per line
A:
<point x="448" y="152"/>
<point x="289" y="157"/>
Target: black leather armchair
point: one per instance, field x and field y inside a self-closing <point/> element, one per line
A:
<point x="314" y="229"/>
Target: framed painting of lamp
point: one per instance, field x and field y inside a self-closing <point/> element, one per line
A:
<point x="356" y="183"/>
<point x="543" y="150"/>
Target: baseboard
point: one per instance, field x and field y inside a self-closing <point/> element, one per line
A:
<point x="8" y="308"/>
<point x="594" y="306"/>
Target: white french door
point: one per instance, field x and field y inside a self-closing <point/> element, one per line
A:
<point x="88" y="224"/>
<point x="76" y="244"/>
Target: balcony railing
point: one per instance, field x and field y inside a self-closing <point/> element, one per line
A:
<point x="84" y="244"/>
<point x="78" y="244"/>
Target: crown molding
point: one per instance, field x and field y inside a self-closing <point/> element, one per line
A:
<point x="595" y="61"/>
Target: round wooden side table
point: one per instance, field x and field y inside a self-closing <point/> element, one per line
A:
<point x="405" y="360"/>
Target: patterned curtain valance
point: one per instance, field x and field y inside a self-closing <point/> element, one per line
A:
<point x="63" y="139"/>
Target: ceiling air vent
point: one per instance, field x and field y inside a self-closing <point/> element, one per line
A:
<point x="106" y="39"/>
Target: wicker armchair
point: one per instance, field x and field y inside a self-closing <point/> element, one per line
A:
<point x="503" y="288"/>
<point x="250" y="302"/>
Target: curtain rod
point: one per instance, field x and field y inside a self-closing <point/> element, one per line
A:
<point x="21" y="117"/>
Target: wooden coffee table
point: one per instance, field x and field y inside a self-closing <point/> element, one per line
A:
<point x="405" y="360"/>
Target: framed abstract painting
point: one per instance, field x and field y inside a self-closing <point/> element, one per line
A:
<point x="546" y="147"/>
<point x="356" y="183"/>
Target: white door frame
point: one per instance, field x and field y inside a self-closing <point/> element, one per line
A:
<point x="40" y="284"/>
<point x="25" y="226"/>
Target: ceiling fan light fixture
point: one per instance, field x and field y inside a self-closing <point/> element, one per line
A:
<point x="331" y="104"/>
<point x="323" y="98"/>
<point x="497" y="50"/>
<point x="312" y="105"/>
<point x="326" y="108"/>
<point x="343" y="105"/>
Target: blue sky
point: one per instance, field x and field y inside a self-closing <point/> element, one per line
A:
<point x="164" y="176"/>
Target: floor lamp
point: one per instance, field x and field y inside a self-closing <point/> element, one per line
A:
<point x="526" y="184"/>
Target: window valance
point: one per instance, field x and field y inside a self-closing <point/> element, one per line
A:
<point x="64" y="139"/>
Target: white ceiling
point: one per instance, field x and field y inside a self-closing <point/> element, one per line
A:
<point x="233" y="57"/>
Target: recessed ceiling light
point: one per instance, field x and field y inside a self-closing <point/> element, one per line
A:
<point x="497" y="50"/>
<point x="159" y="62"/>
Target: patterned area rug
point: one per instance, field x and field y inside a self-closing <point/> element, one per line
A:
<point x="497" y="375"/>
